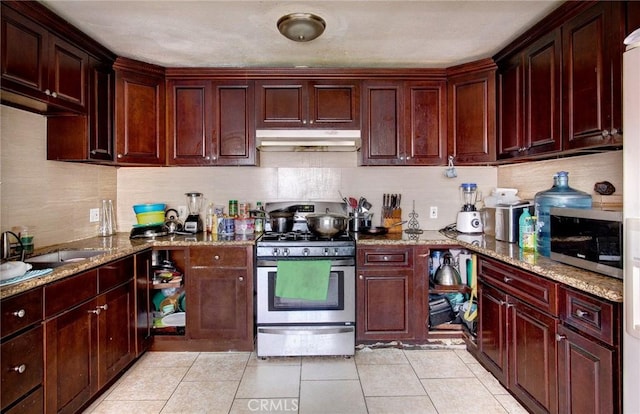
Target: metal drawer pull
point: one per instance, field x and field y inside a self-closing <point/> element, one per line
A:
<point x="560" y="337"/>
<point x="103" y="307"/>
<point x="20" y="368"/>
<point x="96" y="311"/>
<point x="241" y="278"/>
<point x="507" y="279"/>
<point x="581" y="313"/>
<point x="385" y="258"/>
<point x="216" y="257"/>
<point x="361" y="277"/>
<point x="20" y="313"/>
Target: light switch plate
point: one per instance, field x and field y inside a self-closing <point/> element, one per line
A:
<point x="94" y="215"/>
<point x="433" y="212"/>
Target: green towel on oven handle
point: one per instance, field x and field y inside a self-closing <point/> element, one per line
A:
<point x="303" y="279"/>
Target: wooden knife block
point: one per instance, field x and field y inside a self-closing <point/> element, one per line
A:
<point x="395" y="216"/>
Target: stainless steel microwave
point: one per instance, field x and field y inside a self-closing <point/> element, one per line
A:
<point x="588" y="238"/>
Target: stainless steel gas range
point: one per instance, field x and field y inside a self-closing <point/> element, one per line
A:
<point x="312" y="311"/>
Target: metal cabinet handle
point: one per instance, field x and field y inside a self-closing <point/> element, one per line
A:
<point x="216" y="257"/>
<point x="507" y="279"/>
<point x="20" y="369"/>
<point x="20" y="313"/>
<point x="385" y="258"/>
<point x="361" y="277"/>
<point x="103" y="307"/>
<point x="581" y="313"/>
<point x="560" y="337"/>
<point x="96" y="311"/>
<point x="304" y="121"/>
<point x="53" y="94"/>
<point x="207" y="157"/>
<point x="47" y="92"/>
<point x="241" y="278"/>
<point x="119" y="155"/>
<point x="605" y="133"/>
<point x="311" y="121"/>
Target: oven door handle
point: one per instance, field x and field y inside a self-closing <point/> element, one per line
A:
<point x="306" y="331"/>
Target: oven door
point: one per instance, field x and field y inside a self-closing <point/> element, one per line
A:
<point x="339" y="307"/>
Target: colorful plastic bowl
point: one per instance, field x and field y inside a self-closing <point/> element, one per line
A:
<point x="148" y="208"/>
<point x="153" y="217"/>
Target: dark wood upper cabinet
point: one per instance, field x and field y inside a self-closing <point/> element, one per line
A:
<point x="86" y="137"/>
<point x="404" y="122"/>
<point x="331" y="104"/>
<point x="529" y="99"/>
<point x="40" y="70"/>
<point x="472" y="112"/>
<point x="592" y="59"/>
<point x="211" y="122"/>
<point x="140" y="113"/>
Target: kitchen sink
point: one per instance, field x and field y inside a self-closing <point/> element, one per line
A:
<point x="62" y="257"/>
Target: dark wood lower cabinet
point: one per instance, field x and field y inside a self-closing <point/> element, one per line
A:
<point x="585" y="372"/>
<point x="71" y="377"/>
<point x="220" y="298"/>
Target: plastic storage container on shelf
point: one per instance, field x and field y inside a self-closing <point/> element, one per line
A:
<point x="560" y="195"/>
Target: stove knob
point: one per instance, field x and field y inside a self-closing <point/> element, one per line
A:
<point x="326" y="251"/>
<point x="305" y="251"/>
<point x="275" y="251"/>
<point x="335" y="251"/>
<point x="285" y="251"/>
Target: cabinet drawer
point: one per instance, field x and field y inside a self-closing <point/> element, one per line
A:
<point x="386" y="257"/>
<point x="22" y="365"/>
<point x="530" y="288"/>
<point x="115" y="273"/>
<point x="21" y="311"/>
<point x="590" y="315"/>
<point x="67" y="293"/>
<point x="33" y="404"/>
<point x="219" y="256"/>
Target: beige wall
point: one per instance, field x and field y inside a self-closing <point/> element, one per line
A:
<point x="52" y="197"/>
<point x="55" y="197"/>
<point x="584" y="172"/>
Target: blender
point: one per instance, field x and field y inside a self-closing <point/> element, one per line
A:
<point x="469" y="220"/>
<point x="193" y="223"/>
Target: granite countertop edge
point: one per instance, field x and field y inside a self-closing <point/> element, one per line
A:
<point x="120" y="245"/>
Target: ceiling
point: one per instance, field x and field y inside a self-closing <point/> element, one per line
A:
<point x="359" y="33"/>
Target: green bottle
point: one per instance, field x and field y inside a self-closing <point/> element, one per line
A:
<point x="527" y="231"/>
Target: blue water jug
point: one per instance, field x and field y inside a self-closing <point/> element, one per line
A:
<point x="560" y="195"/>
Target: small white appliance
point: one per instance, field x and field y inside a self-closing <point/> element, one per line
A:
<point x="469" y="219"/>
<point x="193" y="223"/>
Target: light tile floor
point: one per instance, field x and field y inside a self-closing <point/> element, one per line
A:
<point x="375" y="381"/>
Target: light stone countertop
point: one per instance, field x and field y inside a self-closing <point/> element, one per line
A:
<point x="120" y="245"/>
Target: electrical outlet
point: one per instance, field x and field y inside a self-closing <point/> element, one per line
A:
<point x="94" y="215"/>
<point x="433" y="212"/>
<point x="182" y="212"/>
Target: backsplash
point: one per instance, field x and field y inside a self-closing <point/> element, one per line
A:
<point x="55" y="197"/>
<point x="52" y="198"/>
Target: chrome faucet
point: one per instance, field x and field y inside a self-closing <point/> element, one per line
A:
<point x="7" y="246"/>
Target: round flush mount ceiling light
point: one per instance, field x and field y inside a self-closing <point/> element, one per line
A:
<point x="301" y="27"/>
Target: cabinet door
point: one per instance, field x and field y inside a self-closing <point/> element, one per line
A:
<point x="139" y="119"/>
<point x="218" y="305"/>
<point x="492" y="331"/>
<point x="115" y="332"/>
<point x="190" y="122"/>
<point x="511" y="107"/>
<point x="425" y="123"/>
<point x="334" y="104"/>
<point x="281" y="104"/>
<point x="382" y="123"/>
<point x="585" y="375"/>
<point x="24" y="55"/>
<point x="385" y="299"/>
<point x="100" y="110"/>
<point x="234" y="128"/>
<point x="532" y="356"/>
<point x="71" y="353"/>
<point x="143" y="302"/>
<point x="472" y="109"/>
<point x="591" y="76"/>
<point x="67" y="73"/>
<point x="542" y="95"/>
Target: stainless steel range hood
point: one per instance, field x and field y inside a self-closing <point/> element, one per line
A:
<point x="300" y="140"/>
